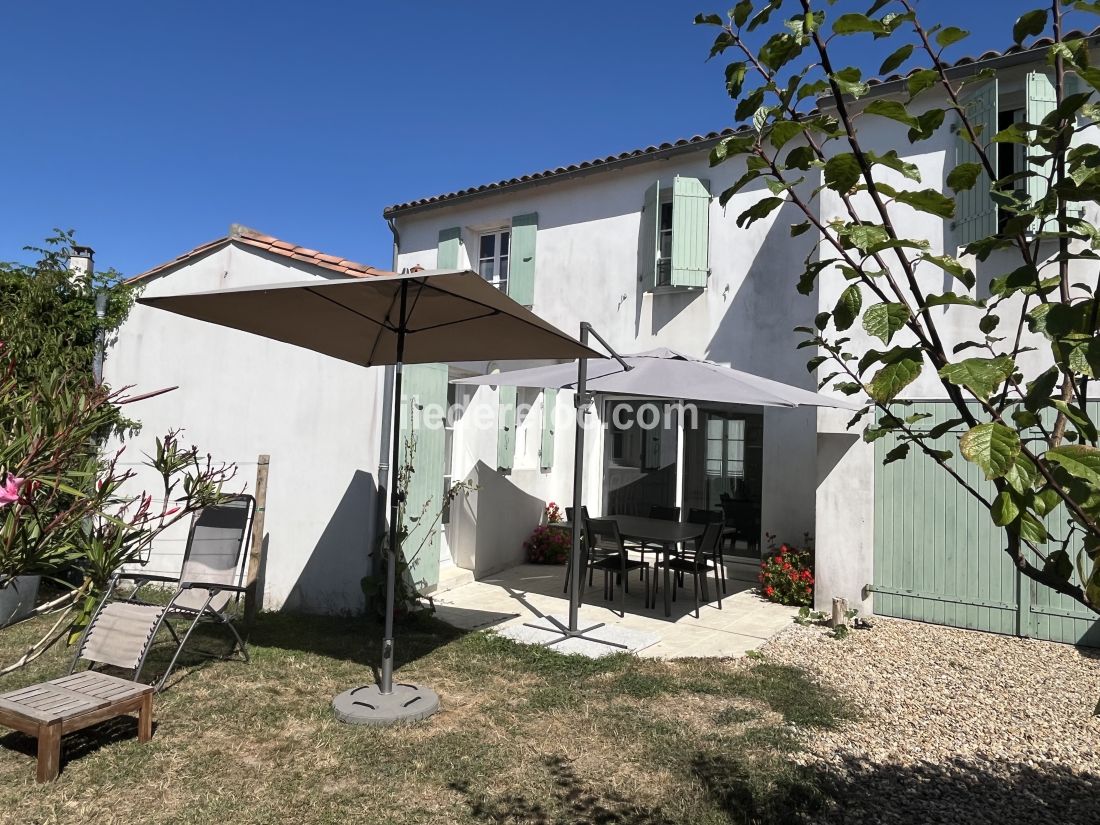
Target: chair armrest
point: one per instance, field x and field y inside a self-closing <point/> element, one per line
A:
<point x="147" y="577"/>
<point x="189" y="585"/>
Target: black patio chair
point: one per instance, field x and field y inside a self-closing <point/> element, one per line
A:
<point x="697" y="564"/>
<point x="700" y="516"/>
<point x="584" y="550"/>
<point x="606" y="542"/>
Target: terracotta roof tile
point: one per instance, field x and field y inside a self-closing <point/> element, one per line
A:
<point x="699" y="141"/>
<point x="250" y="237"/>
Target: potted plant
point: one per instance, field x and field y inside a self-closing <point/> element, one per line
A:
<point x="548" y="544"/>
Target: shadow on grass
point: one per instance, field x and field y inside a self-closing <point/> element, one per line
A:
<point x="355" y="639"/>
<point x="82" y="743"/>
<point x="571" y="801"/>
<point x="856" y="792"/>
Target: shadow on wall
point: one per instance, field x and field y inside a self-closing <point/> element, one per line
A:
<point x="756" y="333"/>
<point x="831" y="449"/>
<point x="329" y="582"/>
<point x="488" y="527"/>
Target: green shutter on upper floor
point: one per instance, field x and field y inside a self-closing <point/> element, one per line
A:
<point x="975" y="211"/>
<point x="521" y="259"/>
<point x="447" y="254"/>
<point x="506" y="428"/>
<point x="647" y="242"/>
<point x="549" y="410"/>
<point x="690" y="232"/>
<point x="1040" y="102"/>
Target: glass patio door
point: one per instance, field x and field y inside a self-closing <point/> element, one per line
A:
<point x="640" y="456"/>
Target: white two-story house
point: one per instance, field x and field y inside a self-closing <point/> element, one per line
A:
<point x="637" y="245"/>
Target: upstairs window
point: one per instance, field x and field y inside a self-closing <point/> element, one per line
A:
<point x="674" y="248"/>
<point x="492" y="260"/>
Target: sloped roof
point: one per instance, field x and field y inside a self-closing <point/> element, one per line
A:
<point x="250" y="237"/>
<point x="962" y="66"/>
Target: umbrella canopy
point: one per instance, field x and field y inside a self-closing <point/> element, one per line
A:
<point x="664" y="373"/>
<point x="451" y="315"/>
<point x="414" y="318"/>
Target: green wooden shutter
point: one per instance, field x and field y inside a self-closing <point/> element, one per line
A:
<point x="424" y="390"/>
<point x="447" y="255"/>
<point x="647" y="252"/>
<point x="1041" y="101"/>
<point x="546" y="449"/>
<point x="975" y="212"/>
<point x="690" y="232"/>
<point x="506" y="428"/>
<point x="521" y="259"/>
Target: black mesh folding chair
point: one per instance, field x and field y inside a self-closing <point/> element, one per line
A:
<point x="121" y="631"/>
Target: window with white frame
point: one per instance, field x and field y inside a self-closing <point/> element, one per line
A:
<point x="492" y="258"/>
<point x="664" y="240"/>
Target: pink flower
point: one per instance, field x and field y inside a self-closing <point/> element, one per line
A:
<point x="10" y="489"/>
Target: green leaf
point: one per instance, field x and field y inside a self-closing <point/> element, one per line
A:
<point x="951" y="299"/>
<point x="891" y="109"/>
<point x="741" y="12"/>
<point x="896" y="59"/>
<point x="1031" y="529"/>
<point x="842" y="172"/>
<point x="1021" y="475"/>
<point x="980" y="375"/>
<point x="952" y="267"/>
<point x="1059" y="563"/>
<point x="779" y="50"/>
<point x="864" y="235"/>
<point x="901" y="367"/>
<point x="897" y="454"/>
<point x="1029" y="24"/>
<point x="988" y="323"/>
<point x="856" y="23"/>
<point x="992" y="446"/>
<point x="1004" y="509"/>
<point x="735" y="78"/>
<point x="920" y="80"/>
<point x="928" y="200"/>
<point x="1079" y="419"/>
<point x="798" y="228"/>
<point x="964" y="176"/>
<point x="884" y="320"/>
<point x="1040" y="390"/>
<point x="761" y="209"/>
<point x="951" y="34"/>
<point x="1084" y="358"/>
<point x="847" y="307"/>
<point x="708" y="19"/>
<point x="891" y="160"/>
<point x="1079" y="460"/>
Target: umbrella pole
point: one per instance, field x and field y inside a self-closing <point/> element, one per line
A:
<point x="386" y="685"/>
<point x="379" y="704"/>
<point x="576" y="575"/>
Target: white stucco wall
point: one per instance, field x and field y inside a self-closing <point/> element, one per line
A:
<point x="241" y="395"/>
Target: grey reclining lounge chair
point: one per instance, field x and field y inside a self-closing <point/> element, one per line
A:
<point x="121" y="631"/>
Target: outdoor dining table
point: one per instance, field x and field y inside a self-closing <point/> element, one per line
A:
<point x="664" y="533"/>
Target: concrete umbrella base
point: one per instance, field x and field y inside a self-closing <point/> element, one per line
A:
<point x="367" y="705"/>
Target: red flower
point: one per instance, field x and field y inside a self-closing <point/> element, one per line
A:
<point x="769" y="591"/>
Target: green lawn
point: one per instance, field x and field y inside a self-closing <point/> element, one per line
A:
<point x="525" y="735"/>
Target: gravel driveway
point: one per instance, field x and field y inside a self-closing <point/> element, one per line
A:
<point x="956" y="727"/>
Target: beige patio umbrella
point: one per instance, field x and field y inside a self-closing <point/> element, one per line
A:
<point x="414" y="318"/>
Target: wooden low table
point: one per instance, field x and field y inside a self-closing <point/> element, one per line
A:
<point x="51" y="709"/>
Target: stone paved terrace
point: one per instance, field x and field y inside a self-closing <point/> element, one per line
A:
<point x="528" y="591"/>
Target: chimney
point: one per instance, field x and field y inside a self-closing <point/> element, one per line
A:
<point x="81" y="262"/>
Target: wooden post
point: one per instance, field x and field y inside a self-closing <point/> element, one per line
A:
<point x="253" y="596"/>
<point x="840" y="612"/>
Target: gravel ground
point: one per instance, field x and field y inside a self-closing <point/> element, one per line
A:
<point x="956" y="726"/>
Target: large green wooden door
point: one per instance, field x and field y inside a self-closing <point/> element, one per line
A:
<point x="423" y="402"/>
<point x="939" y="558"/>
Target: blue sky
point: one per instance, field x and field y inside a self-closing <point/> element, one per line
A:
<point x="149" y="127"/>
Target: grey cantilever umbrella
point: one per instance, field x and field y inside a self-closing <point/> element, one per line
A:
<point x="414" y="318"/>
<point x="665" y="373"/>
<point x="659" y="373"/>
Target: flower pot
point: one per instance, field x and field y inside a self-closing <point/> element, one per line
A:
<point x="18" y="598"/>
